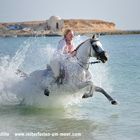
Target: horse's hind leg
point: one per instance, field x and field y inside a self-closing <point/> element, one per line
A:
<point x="99" y="89"/>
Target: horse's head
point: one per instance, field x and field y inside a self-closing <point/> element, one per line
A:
<point x="97" y="50"/>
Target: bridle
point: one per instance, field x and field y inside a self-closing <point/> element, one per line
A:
<point x="95" y="48"/>
<point x="99" y="54"/>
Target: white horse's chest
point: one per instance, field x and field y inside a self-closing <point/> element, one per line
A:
<point x="75" y="73"/>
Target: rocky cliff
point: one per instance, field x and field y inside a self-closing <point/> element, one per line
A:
<point x="80" y="26"/>
<point x="89" y="26"/>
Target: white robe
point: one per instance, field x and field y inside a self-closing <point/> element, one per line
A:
<point x="58" y="57"/>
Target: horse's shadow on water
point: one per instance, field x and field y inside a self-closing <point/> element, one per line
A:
<point x="50" y="120"/>
<point x="70" y="120"/>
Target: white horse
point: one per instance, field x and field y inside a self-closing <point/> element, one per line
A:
<point x="77" y="75"/>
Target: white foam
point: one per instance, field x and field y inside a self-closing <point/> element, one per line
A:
<point x="14" y="89"/>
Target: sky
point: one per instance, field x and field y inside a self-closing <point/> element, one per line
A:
<point x="124" y="13"/>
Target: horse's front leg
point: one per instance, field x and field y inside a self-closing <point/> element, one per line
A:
<point x="88" y="84"/>
<point x="93" y="88"/>
<point x="88" y="94"/>
<point x="101" y="90"/>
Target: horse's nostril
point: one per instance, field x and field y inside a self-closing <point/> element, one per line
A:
<point x="104" y="61"/>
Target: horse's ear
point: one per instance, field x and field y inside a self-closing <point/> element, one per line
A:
<point x="98" y="36"/>
<point x="94" y="36"/>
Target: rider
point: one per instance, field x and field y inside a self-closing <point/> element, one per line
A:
<point x="65" y="46"/>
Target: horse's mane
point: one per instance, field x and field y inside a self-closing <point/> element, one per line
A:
<point x="79" y="45"/>
<point x="93" y="37"/>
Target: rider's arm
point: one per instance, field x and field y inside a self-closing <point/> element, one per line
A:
<point x="73" y="53"/>
<point x="61" y="45"/>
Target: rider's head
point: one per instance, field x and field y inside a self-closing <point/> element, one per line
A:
<point x="68" y="34"/>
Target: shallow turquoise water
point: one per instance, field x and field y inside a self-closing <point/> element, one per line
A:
<point x="93" y="118"/>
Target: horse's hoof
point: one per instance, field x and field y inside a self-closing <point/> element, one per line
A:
<point x="46" y="92"/>
<point x="86" y="95"/>
<point x="114" y="102"/>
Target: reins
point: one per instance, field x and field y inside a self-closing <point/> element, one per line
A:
<point x="89" y="63"/>
<point x="79" y="46"/>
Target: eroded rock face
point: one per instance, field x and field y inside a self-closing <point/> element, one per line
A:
<point x="84" y="26"/>
<point x="42" y="27"/>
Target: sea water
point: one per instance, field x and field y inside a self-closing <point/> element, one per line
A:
<point x="92" y="119"/>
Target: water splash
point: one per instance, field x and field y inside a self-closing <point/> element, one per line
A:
<point x="30" y="56"/>
<point x="8" y="76"/>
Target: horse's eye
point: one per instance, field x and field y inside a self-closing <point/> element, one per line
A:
<point x="95" y="47"/>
